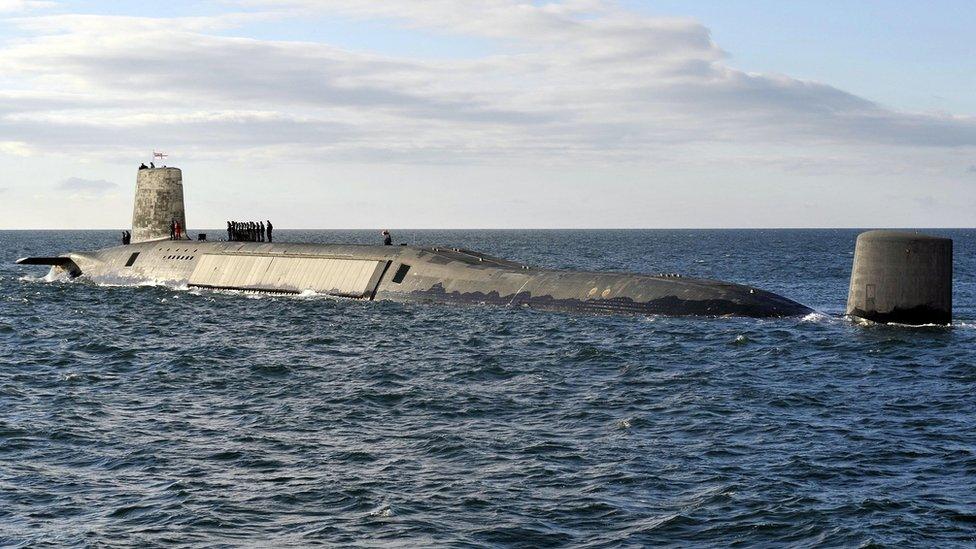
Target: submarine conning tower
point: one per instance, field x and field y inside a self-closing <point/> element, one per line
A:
<point x="901" y="277"/>
<point x="158" y="201"/>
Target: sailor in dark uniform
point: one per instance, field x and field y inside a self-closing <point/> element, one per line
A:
<point x="387" y="238"/>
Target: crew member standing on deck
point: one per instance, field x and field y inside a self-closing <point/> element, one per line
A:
<point x="387" y="238"/>
<point x="172" y="229"/>
<point x="261" y="232"/>
<point x="269" y="227"/>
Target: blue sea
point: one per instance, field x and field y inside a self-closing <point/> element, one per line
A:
<point x="154" y="416"/>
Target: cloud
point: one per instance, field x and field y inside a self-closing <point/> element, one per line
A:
<point x="15" y="148"/>
<point x="570" y="81"/>
<point x="972" y="168"/>
<point x="13" y="6"/>
<point x="94" y="187"/>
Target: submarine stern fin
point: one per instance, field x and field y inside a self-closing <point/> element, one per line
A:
<point x="65" y="263"/>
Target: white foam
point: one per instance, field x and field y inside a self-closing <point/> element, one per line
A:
<point x="817" y="317"/>
<point x="918" y="325"/>
<point x="383" y="512"/>
<point x="153" y="283"/>
<point x="865" y="322"/>
<point x="858" y="320"/>
<point x="53" y="275"/>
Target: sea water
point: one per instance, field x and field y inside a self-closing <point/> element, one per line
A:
<point x="139" y="416"/>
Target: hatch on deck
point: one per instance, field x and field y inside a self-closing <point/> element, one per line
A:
<point x="401" y="273"/>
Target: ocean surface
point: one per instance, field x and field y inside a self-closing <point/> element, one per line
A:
<point x="148" y="416"/>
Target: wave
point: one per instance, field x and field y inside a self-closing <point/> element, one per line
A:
<point x="817" y="317"/>
<point x="870" y="323"/>
<point x="262" y="294"/>
<point x="53" y="275"/>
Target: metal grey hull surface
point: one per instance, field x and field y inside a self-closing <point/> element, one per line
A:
<point x="415" y="274"/>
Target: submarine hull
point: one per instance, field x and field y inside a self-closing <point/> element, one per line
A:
<point x="415" y="274"/>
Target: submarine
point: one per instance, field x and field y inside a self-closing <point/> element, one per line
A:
<point x="382" y="272"/>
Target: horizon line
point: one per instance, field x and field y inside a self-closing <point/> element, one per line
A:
<point x="216" y="229"/>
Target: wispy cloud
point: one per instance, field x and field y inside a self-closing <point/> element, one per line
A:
<point x="576" y="80"/>
<point x="78" y="185"/>
<point x="15" y="148"/>
<point x="13" y="6"/>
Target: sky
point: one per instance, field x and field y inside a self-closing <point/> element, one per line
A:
<point x="493" y="113"/>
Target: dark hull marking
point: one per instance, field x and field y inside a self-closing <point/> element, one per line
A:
<point x="915" y="316"/>
<point x="668" y="306"/>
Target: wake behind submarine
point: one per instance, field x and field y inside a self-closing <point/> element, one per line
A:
<point x="394" y="273"/>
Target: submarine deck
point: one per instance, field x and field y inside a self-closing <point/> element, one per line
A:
<point x="411" y="273"/>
